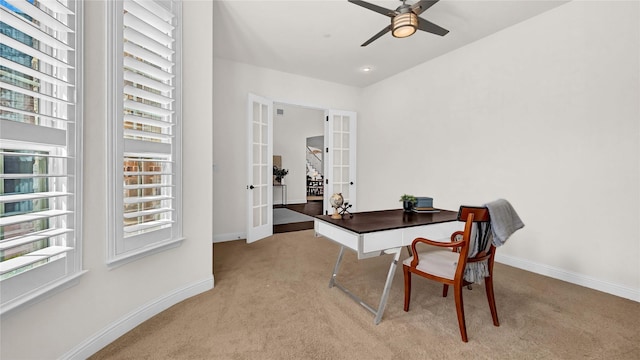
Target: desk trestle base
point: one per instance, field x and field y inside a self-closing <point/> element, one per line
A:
<point x="387" y="285"/>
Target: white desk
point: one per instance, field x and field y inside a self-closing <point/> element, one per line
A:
<point x="377" y="233"/>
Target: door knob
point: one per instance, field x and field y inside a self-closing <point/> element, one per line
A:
<point x="250" y="187"/>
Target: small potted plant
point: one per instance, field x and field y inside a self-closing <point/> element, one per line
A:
<point x="279" y="174"/>
<point x="408" y="202"/>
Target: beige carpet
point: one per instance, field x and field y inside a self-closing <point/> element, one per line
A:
<point x="271" y="301"/>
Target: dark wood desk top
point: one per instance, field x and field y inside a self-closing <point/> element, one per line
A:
<point x="372" y="221"/>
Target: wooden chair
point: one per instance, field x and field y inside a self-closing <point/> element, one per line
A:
<point x="448" y="267"/>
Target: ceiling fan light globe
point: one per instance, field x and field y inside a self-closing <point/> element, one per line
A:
<point x="404" y="25"/>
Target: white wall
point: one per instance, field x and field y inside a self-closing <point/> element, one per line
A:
<point x="290" y="133"/>
<point x="232" y="83"/>
<point x="544" y="114"/>
<point x="78" y="321"/>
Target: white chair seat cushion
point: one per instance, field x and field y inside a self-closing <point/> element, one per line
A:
<point x="442" y="263"/>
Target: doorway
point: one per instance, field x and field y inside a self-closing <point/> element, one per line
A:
<point x="295" y="129"/>
<point x="339" y="131"/>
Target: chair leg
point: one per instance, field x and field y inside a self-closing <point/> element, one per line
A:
<point x="457" y="289"/>
<point x="492" y="301"/>
<point x="407" y="287"/>
<point x="445" y="290"/>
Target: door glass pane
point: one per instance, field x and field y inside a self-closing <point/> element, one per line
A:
<point x="345" y="192"/>
<point x="345" y="157"/>
<point x="345" y="140"/>
<point x="263" y="193"/>
<point x="337" y="140"/>
<point x="263" y="175"/>
<point x="262" y="215"/>
<point x="337" y="157"/>
<point x="263" y="154"/>
<point x="256" y="196"/>
<point x="256" y="217"/>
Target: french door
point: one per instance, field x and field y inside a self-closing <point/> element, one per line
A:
<point x="340" y="159"/>
<point x="260" y="179"/>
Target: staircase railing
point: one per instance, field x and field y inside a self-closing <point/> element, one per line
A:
<point x="314" y="163"/>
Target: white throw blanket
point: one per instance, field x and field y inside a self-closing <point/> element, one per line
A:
<point x="504" y="222"/>
<point x="480" y="240"/>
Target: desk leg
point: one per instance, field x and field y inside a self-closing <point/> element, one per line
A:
<point x="336" y="267"/>
<point x="387" y="284"/>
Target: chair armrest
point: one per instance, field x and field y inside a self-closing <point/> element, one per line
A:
<point x="453" y="239"/>
<point x="453" y="236"/>
<point x="453" y="244"/>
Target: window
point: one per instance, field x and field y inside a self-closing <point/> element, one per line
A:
<point x="40" y="144"/>
<point x="145" y="131"/>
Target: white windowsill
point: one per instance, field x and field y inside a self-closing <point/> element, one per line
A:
<point x="134" y="255"/>
<point x="43" y="293"/>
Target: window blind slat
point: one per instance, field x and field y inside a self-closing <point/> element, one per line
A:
<point x="146" y="81"/>
<point x="131" y="90"/>
<point x="56" y="6"/>
<point x="142" y="199"/>
<point x="21" y="24"/>
<point x="150" y="31"/>
<point x="152" y="110"/>
<point x="146" y="121"/>
<point x="146" y="42"/>
<point x="32" y="237"/>
<point x="40" y="15"/>
<point x="29" y="113"/>
<point x="29" y="176"/>
<point x="35" y="94"/>
<point x="147" y="55"/>
<point x="152" y="224"/>
<point x="35" y="73"/>
<point x="136" y="214"/>
<point x="147" y="69"/>
<point x="17" y="45"/>
<point x="147" y="186"/>
<point x="39" y="215"/>
<point x="31" y="196"/>
<point x="31" y="258"/>
<point x="8" y="153"/>
<point x="147" y="134"/>
<point x="160" y="18"/>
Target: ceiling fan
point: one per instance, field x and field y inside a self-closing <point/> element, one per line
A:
<point x="404" y="20"/>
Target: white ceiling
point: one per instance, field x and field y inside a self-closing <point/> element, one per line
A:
<point x="321" y="39"/>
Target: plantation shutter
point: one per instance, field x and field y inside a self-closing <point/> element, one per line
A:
<point x="39" y="146"/>
<point x="148" y="124"/>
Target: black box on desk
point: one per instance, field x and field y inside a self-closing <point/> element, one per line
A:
<point x="424" y="202"/>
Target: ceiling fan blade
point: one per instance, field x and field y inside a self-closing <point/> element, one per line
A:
<point x="422" y="5"/>
<point x="376" y="36"/>
<point x="376" y="8"/>
<point x="430" y="27"/>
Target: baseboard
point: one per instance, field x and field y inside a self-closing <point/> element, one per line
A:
<point x="229" y="237"/>
<point x="137" y="317"/>
<point x="571" y="277"/>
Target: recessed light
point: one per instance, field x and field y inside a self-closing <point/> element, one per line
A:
<point x="366" y="69"/>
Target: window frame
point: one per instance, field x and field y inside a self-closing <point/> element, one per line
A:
<point x="58" y="274"/>
<point x="121" y="250"/>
